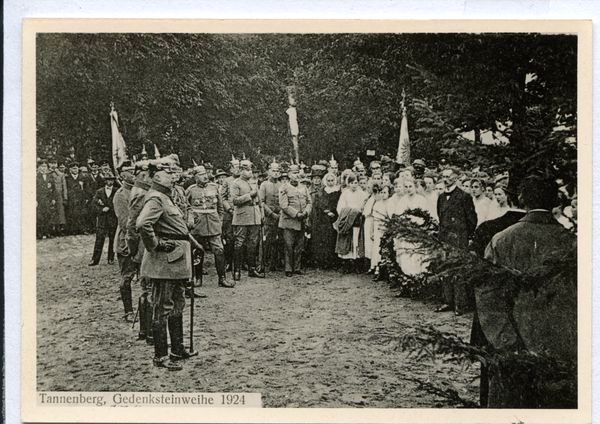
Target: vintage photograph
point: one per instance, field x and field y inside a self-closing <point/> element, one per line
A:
<point x="308" y="219"/>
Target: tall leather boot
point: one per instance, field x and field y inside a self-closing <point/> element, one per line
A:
<point x="198" y="267"/>
<point x="127" y="302"/>
<point x="220" y="265"/>
<point x="178" y="351"/>
<point x="237" y="264"/>
<point x="161" y="348"/>
<point x="145" y="311"/>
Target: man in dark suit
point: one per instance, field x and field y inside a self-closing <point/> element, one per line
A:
<point x="93" y="182"/>
<point x="541" y="319"/>
<point x="106" y="225"/>
<point x="76" y="210"/>
<point x="458" y="220"/>
<point x="46" y="201"/>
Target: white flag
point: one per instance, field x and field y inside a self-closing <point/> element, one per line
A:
<point x="293" y="120"/>
<point x="118" y="144"/>
<point x="404" y="143"/>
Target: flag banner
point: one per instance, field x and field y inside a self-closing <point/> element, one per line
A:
<point x="404" y="142"/>
<point x="293" y="120"/>
<point x="118" y="143"/>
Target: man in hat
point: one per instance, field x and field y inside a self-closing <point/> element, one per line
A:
<point x="106" y="224"/>
<point x="46" y="200"/>
<point x="127" y="266"/>
<point x="76" y="209"/>
<point x="296" y="206"/>
<point x="206" y="210"/>
<point x="419" y="166"/>
<point x="167" y="263"/>
<point x="60" y="184"/>
<point x="227" y="229"/>
<point x="269" y="198"/>
<point x="136" y="251"/>
<point x="375" y="168"/>
<point x="246" y="222"/>
<point x="387" y="164"/>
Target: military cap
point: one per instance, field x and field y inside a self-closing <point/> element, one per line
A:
<point x="283" y="174"/>
<point x="90" y="161"/>
<point x="104" y="162"/>
<point x="163" y="164"/>
<point x="419" y="162"/>
<point x="73" y="165"/>
<point x="234" y="161"/>
<point x="199" y="170"/>
<point x="318" y="170"/>
<point x="221" y="173"/>
<point x="109" y="176"/>
<point x="375" y="164"/>
<point x="274" y="166"/>
<point x="246" y="164"/>
<point x="83" y="169"/>
<point x="386" y="159"/>
<point x="323" y="162"/>
<point x="294" y="169"/>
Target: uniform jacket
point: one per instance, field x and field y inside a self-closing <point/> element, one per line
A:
<point x="136" y="203"/>
<point x="269" y="198"/>
<point x="93" y="184"/>
<point x="121" y="205"/>
<point x="226" y="196"/>
<point x="159" y="218"/>
<point x="207" y="209"/>
<point x="524" y="246"/>
<point x="293" y="199"/>
<point x="100" y="201"/>
<point x="180" y="200"/>
<point x="457" y="216"/>
<point x="246" y="208"/>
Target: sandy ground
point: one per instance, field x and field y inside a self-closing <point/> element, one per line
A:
<point x="322" y="340"/>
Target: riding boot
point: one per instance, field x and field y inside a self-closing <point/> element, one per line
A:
<point x="161" y="348"/>
<point x="221" y="272"/>
<point x="178" y="351"/>
<point x="198" y="267"/>
<point x="126" y="298"/>
<point x="237" y="264"/>
<point x="145" y="311"/>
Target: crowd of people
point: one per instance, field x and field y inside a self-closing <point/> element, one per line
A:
<point x="162" y="220"/>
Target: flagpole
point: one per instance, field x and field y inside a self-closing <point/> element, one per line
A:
<point x="403" y="155"/>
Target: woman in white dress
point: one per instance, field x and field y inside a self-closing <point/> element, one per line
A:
<point x="349" y="209"/>
<point x="501" y="205"/>
<point x="373" y="191"/>
<point x="379" y="216"/>
<point x="411" y="263"/>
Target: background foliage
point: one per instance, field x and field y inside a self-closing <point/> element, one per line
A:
<point x="207" y="96"/>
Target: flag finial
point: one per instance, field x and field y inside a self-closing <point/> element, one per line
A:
<point x="156" y="152"/>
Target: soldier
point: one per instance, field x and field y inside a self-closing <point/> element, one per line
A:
<point x="106" y="224"/>
<point x="296" y="206"/>
<point x="167" y="263"/>
<point x="136" y="252"/>
<point x="246" y="222"/>
<point x="227" y="229"/>
<point x="206" y="216"/>
<point x="126" y="265"/>
<point x="269" y="198"/>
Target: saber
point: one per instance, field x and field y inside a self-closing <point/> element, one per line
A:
<point x="195" y="244"/>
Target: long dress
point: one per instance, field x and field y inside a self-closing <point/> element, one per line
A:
<point x="355" y="201"/>
<point x="324" y="235"/>
<point x="379" y="214"/>
<point x="368" y="225"/>
<point x="411" y="263"/>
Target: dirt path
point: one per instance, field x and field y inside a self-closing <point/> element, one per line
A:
<point x="321" y="340"/>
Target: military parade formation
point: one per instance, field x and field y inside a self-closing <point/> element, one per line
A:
<point x="162" y="221"/>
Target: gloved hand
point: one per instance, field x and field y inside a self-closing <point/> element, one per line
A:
<point x="301" y="215"/>
<point x="253" y="193"/>
<point x="165" y="245"/>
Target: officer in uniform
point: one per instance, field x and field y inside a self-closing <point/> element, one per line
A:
<point x="246" y="222"/>
<point x="127" y="266"/>
<point x="132" y="237"/>
<point x="167" y="262"/>
<point x="296" y="205"/>
<point x="227" y="229"/>
<point x="206" y="215"/>
<point x="269" y="198"/>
